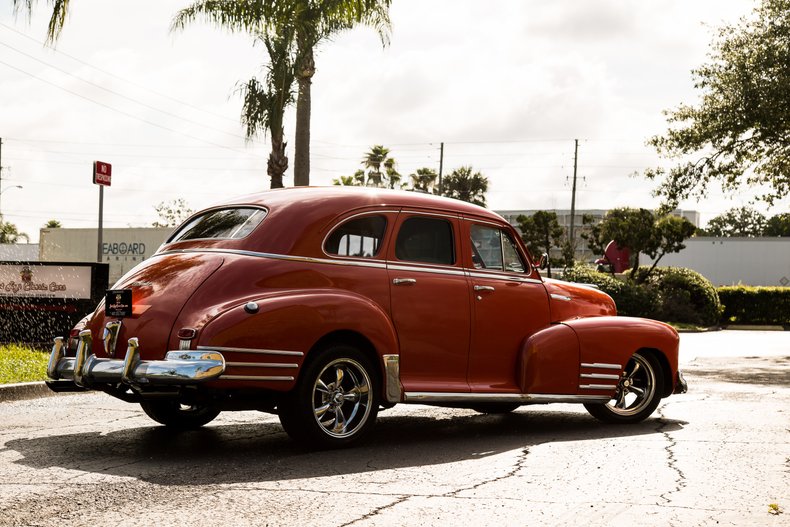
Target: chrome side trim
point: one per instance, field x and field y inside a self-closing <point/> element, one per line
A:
<point x="601" y="365"/>
<point x="418" y="269"/>
<point x="251" y="350"/>
<point x="254" y="378"/>
<point x="597" y="386"/>
<point x="393" y="391"/>
<point x="523" y="398"/>
<point x="560" y="297"/>
<point x="110" y="337"/>
<point x="261" y="365"/>
<point x="379" y="264"/>
<point x="600" y="376"/>
<point x="498" y="276"/>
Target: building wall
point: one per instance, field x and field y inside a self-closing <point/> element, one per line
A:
<point x="121" y="248"/>
<point x="731" y="261"/>
<point x="18" y="252"/>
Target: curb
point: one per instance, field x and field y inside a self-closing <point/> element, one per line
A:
<point x="754" y="327"/>
<point x="24" y="391"/>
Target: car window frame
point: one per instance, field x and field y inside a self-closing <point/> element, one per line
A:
<point x="455" y="229"/>
<point x="529" y="269"/>
<point x="389" y="215"/>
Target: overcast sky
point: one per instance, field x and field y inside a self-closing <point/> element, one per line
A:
<point x="506" y="85"/>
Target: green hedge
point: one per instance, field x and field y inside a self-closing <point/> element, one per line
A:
<point x="755" y="305"/>
<point x="672" y="294"/>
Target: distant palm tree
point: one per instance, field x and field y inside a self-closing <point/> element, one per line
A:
<point x="423" y="180"/>
<point x="377" y="158"/>
<point x="308" y="22"/>
<point x="9" y="233"/>
<point x="466" y="185"/>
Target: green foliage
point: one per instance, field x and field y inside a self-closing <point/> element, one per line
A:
<point x="9" y="233"/>
<point x="541" y="232"/>
<point x="755" y="305"/>
<point x="671" y="294"/>
<point x="738" y="221"/>
<point x="172" y="213"/>
<point x="686" y="295"/>
<point x="424" y="180"/>
<point x="466" y="185"/>
<point x="21" y="364"/>
<point x="778" y="225"/>
<point x="381" y="168"/>
<point x="53" y="224"/>
<point x="737" y="134"/>
<point x="670" y="232"/>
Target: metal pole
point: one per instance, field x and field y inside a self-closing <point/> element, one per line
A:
<point x="441" y="165"/>
<point x="1" y="169"/>
<point x="571" y="238"/>
<point x="101" y="217"/>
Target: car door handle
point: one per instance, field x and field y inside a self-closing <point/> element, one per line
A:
<point x="404" y="281"/>
<point x="484" y="288"/>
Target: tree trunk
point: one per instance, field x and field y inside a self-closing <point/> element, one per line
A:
<point x="304" y="77"/>
<point x="278" y="161"/>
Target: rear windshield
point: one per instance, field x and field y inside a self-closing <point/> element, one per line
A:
<point x="232" y="223"/>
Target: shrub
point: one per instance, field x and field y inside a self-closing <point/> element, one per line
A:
<point x="633" y="300"/>
<point x="686" y="295"/>
<point x="21" y="364"/>
<point x="755" y="305"/>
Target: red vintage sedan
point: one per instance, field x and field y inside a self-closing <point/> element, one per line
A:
<point x="323" y="305"/>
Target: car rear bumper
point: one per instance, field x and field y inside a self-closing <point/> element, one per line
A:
<point x="178" y="368"/>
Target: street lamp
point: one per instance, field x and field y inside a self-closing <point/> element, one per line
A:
<point x="9" y="188"/>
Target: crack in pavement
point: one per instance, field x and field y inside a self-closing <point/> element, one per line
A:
<point x="522" y="458"/>
<point x="672" y="461"/>
<point x="377" y="510"/>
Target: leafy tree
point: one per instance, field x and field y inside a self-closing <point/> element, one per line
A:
<point x="739" y="133"/>
<point x="778" y="225"/>
<point x="9" y="233"/>
<point x="53" y="224"/>
<point x="466" y="185"/>
<point x="172" y="213"/>
<point x="670" y="232"/>
<point x="740" y="221"/>
<point x="308" y="23"/>
<point x="541" y="232"/>
<point x="424" y="180"/>
<point x="632" y="228"/>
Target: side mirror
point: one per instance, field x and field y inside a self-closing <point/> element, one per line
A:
<point x="543" y="262"/>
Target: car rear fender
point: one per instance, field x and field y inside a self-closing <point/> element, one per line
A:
<point x="296" y="323"/>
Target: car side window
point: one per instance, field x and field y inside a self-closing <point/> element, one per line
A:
<point x="426" y="240"/>
<point x="360" y="237"/>
<point x="494" y="249"/>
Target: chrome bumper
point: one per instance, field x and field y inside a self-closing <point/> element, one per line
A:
<point x="681" y="386"/>
<point x="178" y="367"/>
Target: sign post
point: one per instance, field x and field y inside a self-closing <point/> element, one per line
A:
<point x="102" y="176"/>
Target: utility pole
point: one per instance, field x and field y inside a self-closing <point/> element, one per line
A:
<point x="571" y="238"/>
<point x="1" y="167"/>
<point x="441" y="165"/>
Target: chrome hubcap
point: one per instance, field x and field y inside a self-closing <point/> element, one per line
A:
<point x="341" y="398"/>
<point x="636" y="387"/>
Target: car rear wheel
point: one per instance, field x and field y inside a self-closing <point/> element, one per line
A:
<point x="176" y="415"/>
<point x="638" y="392"/>
<point x="335" y="402"/>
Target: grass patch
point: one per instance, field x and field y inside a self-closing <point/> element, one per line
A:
<point x="22" y="364"/>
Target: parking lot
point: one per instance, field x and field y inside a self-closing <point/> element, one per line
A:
<point x="718" y="455"/>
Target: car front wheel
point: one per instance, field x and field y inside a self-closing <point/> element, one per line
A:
<point x="335" y="402"/>
<point x="638" y="392"/>
<point x="176" y="415"/>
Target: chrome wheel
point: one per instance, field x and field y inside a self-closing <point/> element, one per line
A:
<point x="341" y="398"/>
<point x="638" y="392"/>
<point x="335" y="402"/>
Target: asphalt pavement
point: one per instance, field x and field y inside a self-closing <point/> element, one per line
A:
<point x="718" y="455"/>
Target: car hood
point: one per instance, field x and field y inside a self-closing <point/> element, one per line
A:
<point x="161" y="287"/>
<point x="570" y="300"/>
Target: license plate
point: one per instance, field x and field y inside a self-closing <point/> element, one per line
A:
<point x="118" y="303"/>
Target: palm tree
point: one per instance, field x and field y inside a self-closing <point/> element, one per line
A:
<point x="377" y="158"/>
<point x="59" y="10"/>
<point x="465" y="185"/>
<point x="265" y="103"/>
<point x="308" y="22"/>
<point x="423" y="180"/>
<point x="9" y="233"/>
